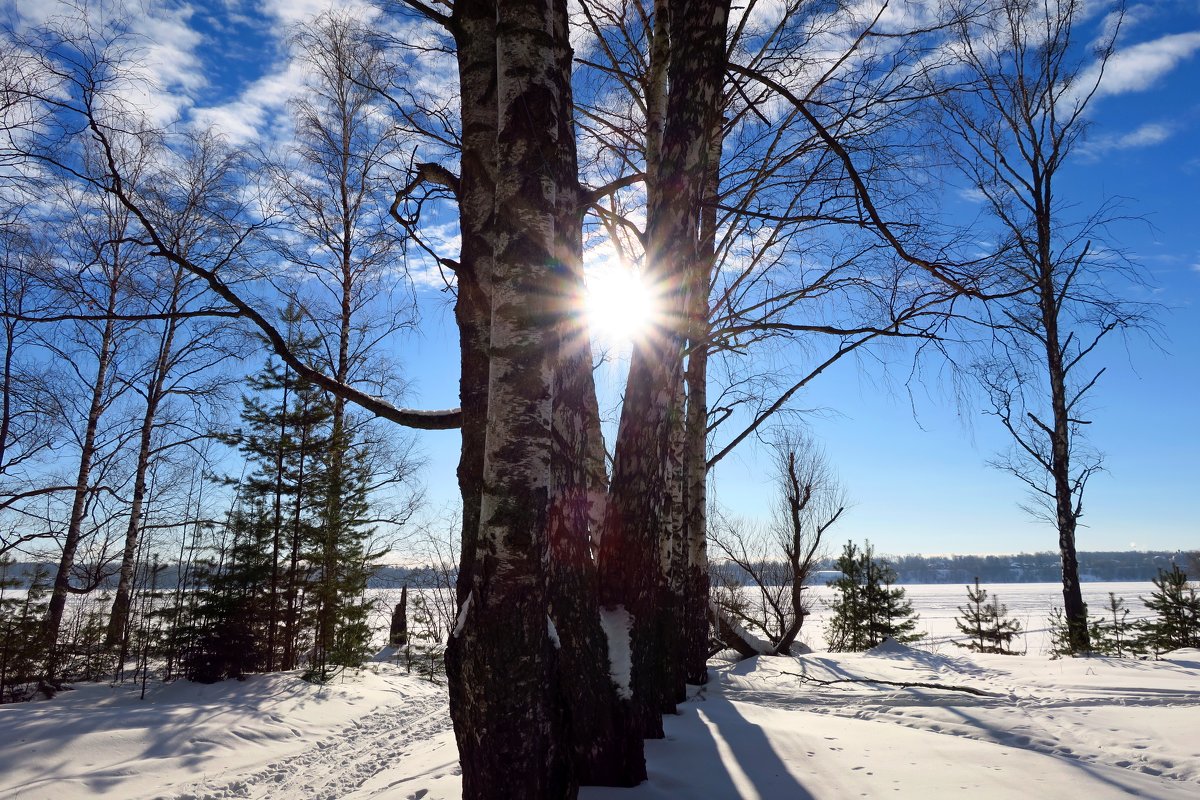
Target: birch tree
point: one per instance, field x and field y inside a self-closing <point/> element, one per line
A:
<point x="97" y="271"/>
<point x="1012" y="131"/>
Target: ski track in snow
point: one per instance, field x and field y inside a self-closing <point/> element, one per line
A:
<point x="338" y="764"/>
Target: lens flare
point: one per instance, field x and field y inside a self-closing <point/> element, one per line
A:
<point x="619" y="305"/>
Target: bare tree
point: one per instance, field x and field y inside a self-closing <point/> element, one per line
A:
<point x="1012" y="128"/>
<point x="780" y="560"/>
<point x="30" y="428"/>
<point x="334" y="193"/>
<point x="180" y="364"/>
<point x="98" y="271"/>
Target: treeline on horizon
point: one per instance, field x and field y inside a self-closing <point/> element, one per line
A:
<point x="1100" y="565"/>
<point x="1103" y="565"/>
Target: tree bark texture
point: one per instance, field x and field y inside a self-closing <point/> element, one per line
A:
<point x="695" y="451"/>
<point x="630" y="549"/>
<point x="474" y="28"/>
<point x="507" y="709"/>
<point x="602" y="753"/>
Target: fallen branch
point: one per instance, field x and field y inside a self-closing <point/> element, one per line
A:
<point x="900" y="684"/>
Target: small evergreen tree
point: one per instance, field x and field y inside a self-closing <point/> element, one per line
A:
<point x="867" y="607"/>
<point x="1177" y="608"/>
<point x="846" y="630"/>
<point x="890" y="613"/>
<point x="974" y="619"/>
<point x="1060" y="634"/>
<point x="987" y="623"/>
<point x="233" y="613"/>
<point x="21" y="641"/>
<point x="425" y="649"/>
<point x="1115" y="634"/>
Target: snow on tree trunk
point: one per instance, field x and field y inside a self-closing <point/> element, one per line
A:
<point x="636" y="510"/>
<point x="602" y="753"/>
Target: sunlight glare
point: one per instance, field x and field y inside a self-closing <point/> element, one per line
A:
<point x="619" y="305"/>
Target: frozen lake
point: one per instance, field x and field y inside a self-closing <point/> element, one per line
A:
<point x="1030" y="603"/>
<point x="937" y="605"/>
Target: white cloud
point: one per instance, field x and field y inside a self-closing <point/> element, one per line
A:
<point x="1145" y="135"/>
<point x="260" y="106"/>
<point x="290" y="12"/>
<point x="1137" y="68"/>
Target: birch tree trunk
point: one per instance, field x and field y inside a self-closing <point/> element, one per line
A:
<point x="97" y="404"/>
<point x="601" y="753"/>
<point x="695" y="452"/>
<point x="506" y="714"/>
<point x="473" y="27"/>
<point x="119" y="615"/>
<point x="635" y="514"/>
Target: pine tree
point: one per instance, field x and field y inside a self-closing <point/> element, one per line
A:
<point x="846" y="631"/>
<point x="975" y="618"/>
<point x="21" y="642"/>
<point x="233" y="614"/>
<point x="284" y="436"/>
<point x="889" y="610"/>
<point x="1115" y="634"/>
<point x="346" y="563"/>
<point x="988" y="624"/>
<point x="868" y="608"/>
<point x="1060" y="634"/>
<point x="1177" y="606"/>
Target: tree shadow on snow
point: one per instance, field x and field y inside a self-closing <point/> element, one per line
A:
<point x="735" y="755"/>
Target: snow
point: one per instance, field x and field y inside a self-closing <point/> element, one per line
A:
<point x="761" y="645"/>
<point x="268" y="736"/>
<point x="462" y="617"/>
<point x="1096" y="728"/>
<point x="617" y="623"/>
<point x="899" y="721"/>
<point x="552" y="632"/>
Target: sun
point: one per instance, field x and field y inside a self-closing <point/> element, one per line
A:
<point x="619" y="306"/>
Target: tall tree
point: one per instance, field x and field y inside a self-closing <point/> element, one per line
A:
<point x="29" y="427"/>
<point x="334" y="194"/>
<point x="99" y="272"/>
<point x="1012" y="130"/>
<point x="186" y="349"/>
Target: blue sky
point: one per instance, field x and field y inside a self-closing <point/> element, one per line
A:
<point x="914" y="465"/>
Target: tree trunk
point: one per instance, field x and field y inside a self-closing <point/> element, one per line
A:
<point x="602" y="753"/>
<point x="119" y="616"/>
<point x="87" y="452"/>
<point x="1066" y="515"/>
<point x="695" y="458"/>
<point x="398" y="632"/>
<point x="506" y="714"/>
<point x="630" y="549"/>
<point x="474" y="29"/>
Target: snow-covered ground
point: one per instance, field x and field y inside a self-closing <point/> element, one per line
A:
<point x="894" y="722"/>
